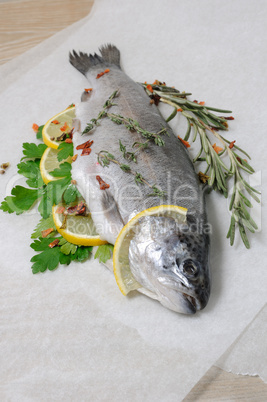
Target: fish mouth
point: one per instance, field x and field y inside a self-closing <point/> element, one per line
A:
<point x="191" y="304"/>
<point x="188" y="300"/>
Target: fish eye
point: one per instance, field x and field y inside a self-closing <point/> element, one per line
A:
<point x="190" y="268"/>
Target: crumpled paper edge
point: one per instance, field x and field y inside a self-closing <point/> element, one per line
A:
<point x="246" y="355"/>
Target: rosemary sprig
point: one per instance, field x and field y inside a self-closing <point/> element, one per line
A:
<point x="200" y="121"/>
<point x="105" y="158"/>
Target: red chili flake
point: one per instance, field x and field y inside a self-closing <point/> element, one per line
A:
<point x="102" y="73"/>
<point x="88" y="89"/>
<point x="195" y="101"/>
<point x="54" y="243"/>
<point x="55" y="122"/>
<point x="231" y="145"/>
<point x="228" y="118"/>
<point x="86" y="151"/>
<point x="99" y="75"/>
<point x="145" y="82"/>
<point x="216" y="148"/>
<point x="35" y="127"/>
<point x="239" y="160"/>
<point x="68" y="140"/>
<point x="78" y="209"/>
<point x="81" y="208"/>
<point x="186" y="143"/>
<point x="149" y="87"/>
<point x="103" y="185"/>
<point x="86" y="144"/>
<point x="74" y="158"/>
<point x="179" y="110"/>
<point x="202" y="103"/>
<point x="46" y="232"/>
<point x="71" y="210"/>
<point x="60" y="210"/>
<point x="64" y="127"/>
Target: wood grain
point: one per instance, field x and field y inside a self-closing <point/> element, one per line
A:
<point x="24" y="24"/>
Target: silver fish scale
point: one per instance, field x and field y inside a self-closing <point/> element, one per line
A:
<point x="169" y="261"/>
<point x="168" y="167"/>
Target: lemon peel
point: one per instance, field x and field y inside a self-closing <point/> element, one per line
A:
<point x="124" y="278"/>
<point x="79" y="230"/>
<point x="52" y="130"/>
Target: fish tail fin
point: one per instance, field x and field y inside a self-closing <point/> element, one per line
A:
<point x="83" y="62"/>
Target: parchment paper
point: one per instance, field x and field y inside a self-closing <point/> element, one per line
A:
<point x="247" y="355"/>
<point x="70" y="334"/>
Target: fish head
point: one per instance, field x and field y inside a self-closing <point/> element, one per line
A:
<point x="172" y="263"/>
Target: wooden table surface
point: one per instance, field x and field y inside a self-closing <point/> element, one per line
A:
<point x="24" y="24"/>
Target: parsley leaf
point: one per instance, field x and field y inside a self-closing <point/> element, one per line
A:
<point x="39" y="134"/>
<point x="63" y="170"/>
<point x="47" y="259"/>
<point x="66" y="247"/>
<point x="22" y="199"/>
<point x="71" y="193"/>
<point x="65" y="150"/>
<point x="104" y="252"/>
<point x="83" y="252"/>
<point x="43" y="225"/>
<point x="31" y="170"/>
<point x="33" y="151"/>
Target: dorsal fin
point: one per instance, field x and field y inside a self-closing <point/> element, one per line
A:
<point x="110" y="55"/>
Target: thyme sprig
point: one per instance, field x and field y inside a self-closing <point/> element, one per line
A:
<point x="129" y="123"/>
<point x="105" y="158"/>
<point x="200" y="121"/>
<point x="103" y="113"/>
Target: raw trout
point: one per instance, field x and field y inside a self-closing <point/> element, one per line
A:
<point x="168" y="261"/>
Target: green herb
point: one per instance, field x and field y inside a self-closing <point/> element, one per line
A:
<point x="126" y="154"/>
<point x="71" y="194"/>
<point x="50" y="258"/>
<point x="31" y="170"/>
<point x="130" y="124"/>
<point x="104" y="252"/>
<point x="200" y="121"/>
<point x="20" y="200"/>
<point x="65" y="150"/>
<point x="105" y="158"/>
<point x="63" y="170"/>
<point x="43" y="225"/>
<point x="95" y="122"/>
<point x="39" y="134"/>
<point x="33" y="151"/>
<point x="66" y="247"/>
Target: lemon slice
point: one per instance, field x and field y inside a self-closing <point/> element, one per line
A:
<point x="124" y="278"/>
<point x="79" y="230"/>
<point x="49" y="162"/>
<point x="52" y="130"/>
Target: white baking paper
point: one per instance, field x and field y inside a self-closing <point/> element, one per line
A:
<point x="70" y="334"/>
<point x="247" y="355"/>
